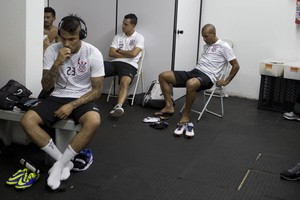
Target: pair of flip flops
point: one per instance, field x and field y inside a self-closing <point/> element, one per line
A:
<point x="159" y="125"/>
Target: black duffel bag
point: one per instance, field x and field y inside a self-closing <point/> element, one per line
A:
<point x="12" y="94"/>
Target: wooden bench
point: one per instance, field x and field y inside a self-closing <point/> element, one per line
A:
<point x="64" y="129"/>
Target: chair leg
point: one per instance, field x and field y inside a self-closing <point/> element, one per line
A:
<point x="139" y="79"/>
<point x="142" y="80"/>
<point x="182" y="108"/>
<point x="205" y="105"/>
<point x="134" y="91"/>
<point x="206" y="102"/>
<point x="110" y="89"/>
<point x="221" y="96"/>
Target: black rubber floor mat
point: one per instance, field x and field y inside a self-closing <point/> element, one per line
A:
<point x="268" y="185"/>
<point x="220" y="167"/>
<point x="136" y="184"/>
<point x="97" y="174"/>
<point x="273" y="163"/>
<point x="184" y="189"/>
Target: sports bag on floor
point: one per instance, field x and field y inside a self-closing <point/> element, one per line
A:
<point x="154" y="97"/>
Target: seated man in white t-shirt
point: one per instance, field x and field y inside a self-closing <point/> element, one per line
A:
<point x="126" y="50"/>
<point x="75" y="71"/>
<point x="206" y="73"/>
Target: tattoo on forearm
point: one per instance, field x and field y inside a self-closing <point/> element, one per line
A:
<point x="88" y="97"/>
<point x="50" y="77"/>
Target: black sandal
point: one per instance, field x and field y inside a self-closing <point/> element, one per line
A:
<point x="159" y="125"/>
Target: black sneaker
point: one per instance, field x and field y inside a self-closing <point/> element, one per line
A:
<point x="292" y="174"/>
<point x="83" y="160"/>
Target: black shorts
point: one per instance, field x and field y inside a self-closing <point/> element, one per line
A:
<point x="49" y="105"/>
<point x="119" y="68"/>
<point x="183" y="76"/>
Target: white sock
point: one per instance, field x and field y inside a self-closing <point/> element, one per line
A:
<point x="54" y="152"/>
<point x="120" y="105"/>
<point x="53" y="180"/>
<point x="57" y="169"/>
<point x="66" y="172"/>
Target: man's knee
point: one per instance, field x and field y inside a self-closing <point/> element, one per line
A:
<point x="193" y="84"/>
<point x="164" y="76"/>
<point x="125" y="81"/>
<point x="29" y="118"/>
<point x="91" y="118"/>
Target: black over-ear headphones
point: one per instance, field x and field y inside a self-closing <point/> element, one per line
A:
<point x="83" y="31"/>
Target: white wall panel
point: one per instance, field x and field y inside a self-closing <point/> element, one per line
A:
<point x="186" y="42"/>
<point x="21" y="42"/>
<point x="155" y="22"/>
<point x="12" y="51"/>
<point x="99" y="17"/>
<point x="259" y="29"/>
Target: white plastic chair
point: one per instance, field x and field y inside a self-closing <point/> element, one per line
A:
<point x="139" y="76"/>
<point x="215" y="91"/>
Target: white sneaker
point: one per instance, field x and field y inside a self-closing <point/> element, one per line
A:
<point x="118" y="111"/>
<point x="291" y="116"/>
<point x="151" y="119"/>
<point x="180" y="129"/>
<point x="189" y="130"/>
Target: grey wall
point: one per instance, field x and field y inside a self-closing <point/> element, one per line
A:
<point x="21" y="46"/>
<point x="155" y="23"/>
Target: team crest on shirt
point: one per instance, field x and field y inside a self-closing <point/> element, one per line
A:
<point x="214" y="48"/>
<point x="82" y="67"/>
<point x="132" y="42"/>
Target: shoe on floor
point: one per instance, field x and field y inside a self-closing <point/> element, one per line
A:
<point x="83" y="160"/>
<point x="27" y="180"/>
<point x="292" y="174"/>
<point x="189" y="130"/>
<point x="118" y="111"/>
<point x="291" y="116"/>
<point x="13" y="180"/>
<point x="151" y="119"/>
<point x="180" y="129"/>
<point x="159" y="125"/>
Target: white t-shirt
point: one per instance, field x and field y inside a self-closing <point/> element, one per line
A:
<point x="74" y="77"/>
<point x="122" y="41"/>
<point x="213" y="58"/>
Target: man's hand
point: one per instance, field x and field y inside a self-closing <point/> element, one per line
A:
<point x="64" y="54"/>
<point x="221" y="82"/>
<point x="46" y="43"/>
<point x="64" y="111"/>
